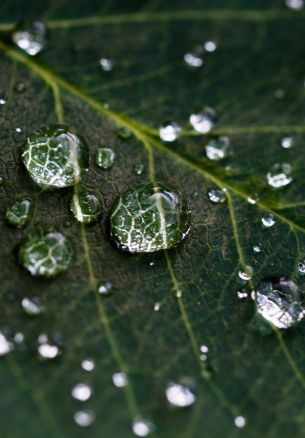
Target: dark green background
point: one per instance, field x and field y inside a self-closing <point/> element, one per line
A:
<point x="260" y="50"/>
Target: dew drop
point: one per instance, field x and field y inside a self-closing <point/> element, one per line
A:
<point x="279" y="175"/>
<point x="55" y="156"/>
<point x="88" y="365"/>
<point x="32" y="306"/>
<point x="210" y="46"/>
<point x="287" y="142"/>
<point x="124" y="133"/>
<point x="246" y="273"/>
<point x="45" y="253"/>
<point x="297" y="5"/>
<point x="169" y="131"/>
<point x="157" y="307"/>
<point x="178" y="293"/>
<point x="81" y="391"/>
<point x="19" y="213"/>
<point x="149" y="218"/>
<point x="105" y="158"/>
<point x="106" y="64"/>
<point x="217" y="196"/>
<point x="48" y="351"/>
<point x="179" y="395"/>
<point x="240" y="421"/>
<point x="301" y="267"/>
<point x="5" y="345"/>
<point x="218" y="148"/>
<point x="242" y="294"/>
<point x="194" y="59"/>
<point x="142" y="427"/>
<point x="85" y="207"/>
<point x="19" y="87"/>
<point x="105" y="288"/>
<point x="268" y="220"/>
<point x="257" y="248"/>
<point x="138" y="168"/>
<point x="2" y="99"/>
<point x="30" y="36"/>
<point x="84" y="418"/>
<point x="203" y="121"/>
<point x="280" y="303"/>
<point x="19" y="338"/>
<point x="120" y="379"/>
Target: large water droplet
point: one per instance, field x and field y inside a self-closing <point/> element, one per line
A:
<point x="32" y="306"/>
<point x="203" y="121"/>
<point x="179" y="395"/>
<point x="218" y="148"/>
<point x="30" y="36"/>
<point x="279" y="175"/>
<point x="84" y="418"/>
<point x="105" y="158"/>
<point x="55" y="156"/>
<point x="81" y="391"/>
<point x="85" y="207"/>
<point x="142" y="427"/>
<point x="217" y="196"/>
<point x="45" y="253"/>
<point x="149" y="218"/>
<point x="169" y="131"/>
<point x="280" y="303"/>
<point x="5" y="345"/>
<point x="19" y="213"/>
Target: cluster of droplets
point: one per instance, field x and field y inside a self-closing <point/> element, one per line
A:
<point x="195" y="58"/>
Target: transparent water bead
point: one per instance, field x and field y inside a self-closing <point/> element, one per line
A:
<point x="258" y="248"/>
<point x="246" y="273"/>
<point x="142" y="427"/>
<point x="287" y="142"/>
<point x="30" y="36"/>
<point x="124" y="133"/>
<point x="81" y="391"/>
<point x="48" y="351"/>
<point x="55" y="156"/>
<point x="169" y="131"/>
<point x="2" y="99"/>
<point x="279" y="175"/>
<point x="84" y="418"/>
<point x="268" y="220"/>
<point x="280" y="303"/>
<point x="297" y="5"/>
<point x="179" y="395"/>
<point x="32" y="306"/>
<point x="5" y="345"/>
<point x="45" y="252"/>
<point x="149" y="218"/>
<point x="85" y="207"/>
<point x="301" y="267"/>
<point x="88" y="365"/>
<point x="218" y="148"/>
<point x="105" y="158"/>
<point x="194" y="58"/>
<point x="120" y="379"/>
<point x="19" y="213"/>
<point x="203" y="121"/>
<point x="139" y="168"/>
<point x="240" y="421"/>
<point x="105" y="288"/>
<point x="106" y="64"/>
<point x="217" y="196"/>
<point x="210" y="46"/>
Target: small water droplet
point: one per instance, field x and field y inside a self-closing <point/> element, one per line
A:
<point x="210" y="46"/>
<point x="203" y="121"/>
<point x="279" y="175"/>
<point x="178" y="293"/>
<point x="169" y="131"/>
<point x="19" y="338"/>
<point x="257" y="248"/>
<point x="268" y="220"/>
<point x="139" y="168"/>
<point x="88" y="365"/>
<point x="297" y="5"/>
<point x="19" y="87"/>
<point x="30" y="36"/>
<point x="45" y="253"/>
<point x="85" y="207"/>
<point x="124" y="133"/>
<point x="67" y="224"/>
<point x="194" y="59"/>
<point x="55" y="156"/>
<point x="204" y="348"/>
<point x="246" y="273"/>
<point x="84" y="418"/>
<point x="217" y="196"/>
<point x="120" y="379"/>
<point x="1" y="180"/>
<point x="81" y="391"/>
<point x="19" y="213"/>
<point x="157" y="307"/>
<point x="301" y="267"/>
<point x="240" y="421"/>
<point x="242" y="294"/>
<point x="32" y="306"/>
<point x="251" y="200"/>
<point x="280" y="303"/>
<point x="48" y="351"/>
<point x="218" y="148"/>
<point x="149" y="218"/>
<point x="142" y="427"/>
<point x="105" y="288"/>
<point x="105" y="158"/>
<point x="179" y="395"/>
<point x="5" y="345"/>
<point x="106" y="64"/>
<point x="2" y="99"/>
<point x="287" y="142"/>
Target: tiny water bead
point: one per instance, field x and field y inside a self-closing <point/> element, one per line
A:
<point x="81" y="391"/>
<point x="106" y="64"/>
<point x="203" y="121"/>
<point x="124" y="133"/>
<point x="179" y="395"/>
<point x="169" y="131"/>
<point x="19" y="87"/>
<point x="287" y="142"/>
<point x="280" y="302"/>
<point x="32" y="306"/>
<point x="30" y="36"/>
<point x="139" y="168"/>
<point x="194" y="58"/>
<point x="120" y="379"/>
<point x="217" y="196"/>
<point x="19" y="213"/>
<point x="149" y="218"/>
<point x="84" y="418"/>
<point x="210" y="46"/>
<point x="142" y="427"/>
<point x="85" y="207"/>
<point x="257" y="248"/>
<point x="218" y="148"/>
<point x="268" y="220"/>
<point x="246" y="273"/>
<point x="301" y="267"/>
<point x="48" y="351"/>
<point x="105" y="158"/>
<point x="105" y="288"/>
<point x="240" y="421"/>
<point x="88" y="365"/>
<point x="2" y="99"/>
<point x="279" y="175"/>
<point x="45" y="252"/>
<point x="5" y="345"/>
<point x="55" y="156"/>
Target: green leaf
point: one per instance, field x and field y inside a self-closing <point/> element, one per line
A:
<point x="255" y="82"/>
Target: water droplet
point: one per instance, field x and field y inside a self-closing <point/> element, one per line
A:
<point x="105" y="288"/>
<point x="106" y="64"/>
<point x="268" y="220"/>
<point x="81" y="391"/>
<point x="84" y="418"/>
<point x="2" y="99"/>
<point x="5" y="345"/>
<point x="210" y="46"/>
<point x="169" y="131"/>
<point x="30" y="36"/>
<point x="217" y="196"/>
<point x="179" y="395"/>
<point x="242" y="294"/>
<point x="124" y="133"/>
<point x="218" y="148"/>
<point x="55" y="156"/>
<point x="105" y="158"/>
<point x="149" y="218"/>
<point x="139" y="168"/>
<point x="48" y="351"/>
<point x="19" y="213"/>
<point x="178" y="293"/>
<point x="32" y="306"/>
<point x="1" y="180"/>
<point x="251" y="200"/>
<point x="280" y="303"/>
<point x="246" y="273"/>
<point x="19" y="87"/>
<point x="194" y="58"/>
<point x="85" y="207"/>
<point x="157" y="307"/>
<point x="120" y="379"/>
<point x="88" y="365"/>
<point x="203" y="121"/>
<point x="279" y="175"/>
<point x="45" y="253"/>
<point x="204" y="348"/>
<point x="301" y="267"/>
<point x="240" y="421"/>
<point x="295" y="4"/>
<point x="19" y="338"/>
<point x="287" y="142"/>
<point x="257" y="248"/>
<point x="142" y="427"/>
